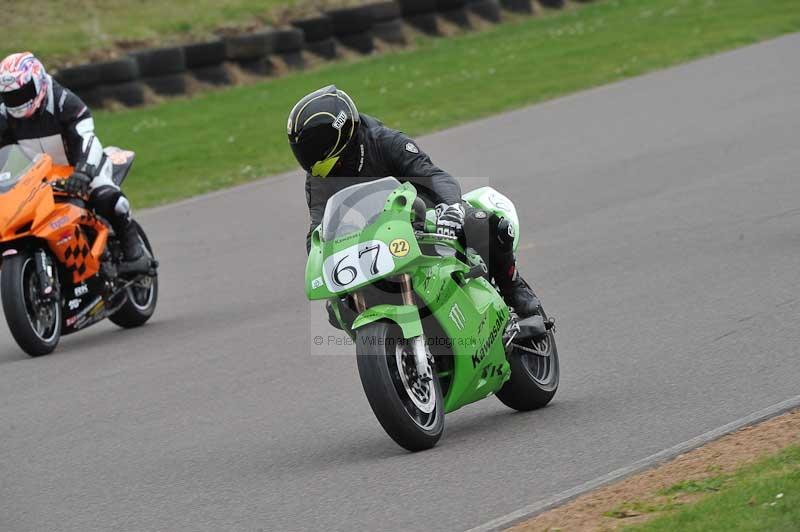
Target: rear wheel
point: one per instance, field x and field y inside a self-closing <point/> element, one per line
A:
<point x="142" y="295"/>
<point x="534" y="374"/>
<point x="409" y="410"/>
<point x="34" y="322"/>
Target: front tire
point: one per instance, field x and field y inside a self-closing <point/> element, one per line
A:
<point x="34" y="324"/>
<point x="534" y="377"/>
<point x="141" y="297"/>
<point x="397" y="400"/>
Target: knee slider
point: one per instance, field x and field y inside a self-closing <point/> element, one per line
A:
<point x="104" y="201"/>
<point x="505" y="234"/>
<point x="122" y="207"/>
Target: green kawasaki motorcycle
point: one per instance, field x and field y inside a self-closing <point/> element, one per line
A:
<point x="432" y="333"/>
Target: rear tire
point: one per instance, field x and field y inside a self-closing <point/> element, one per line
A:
<point x="409" y="426"/>
<point x="534" y="378"/>
<point x="35" y="327"/>
<point x="141" y="298"/>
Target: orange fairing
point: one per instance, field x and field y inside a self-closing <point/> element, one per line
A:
<point x="30" y="210"/>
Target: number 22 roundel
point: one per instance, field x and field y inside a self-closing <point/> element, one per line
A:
<point x="356" y="265"/>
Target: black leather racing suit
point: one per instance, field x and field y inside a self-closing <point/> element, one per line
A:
<point x="378" y="151"/>
<point x="64" y="129"/>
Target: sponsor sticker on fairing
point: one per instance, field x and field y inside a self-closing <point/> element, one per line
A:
<point x="58" y="224"/>
<point x="457" y="316"/>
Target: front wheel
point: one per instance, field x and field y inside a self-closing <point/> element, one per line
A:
<point x="142" y="295"/>
<point x="534" y="374"/>
<point x="409" y="410"/>
<point x="34" y="322"/>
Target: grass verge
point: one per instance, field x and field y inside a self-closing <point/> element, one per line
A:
<point x="218" y="139"/>
<point x="62" y="29"/>
<point x="691" y="491"/>
<point x="764" y="496"/>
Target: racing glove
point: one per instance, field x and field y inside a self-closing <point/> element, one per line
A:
<point x="450" y="220"/>
<point x="77" y="184"/>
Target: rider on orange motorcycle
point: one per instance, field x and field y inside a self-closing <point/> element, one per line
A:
<point x="40" y="115"/>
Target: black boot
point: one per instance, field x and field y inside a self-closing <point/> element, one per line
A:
<point x="134" y="260"/>
<point x="515" y="291"/>
<point x="518" y="295"/>
<point x="503" y="266"/>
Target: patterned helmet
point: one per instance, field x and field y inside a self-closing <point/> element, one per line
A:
<point x="23" y="84"/>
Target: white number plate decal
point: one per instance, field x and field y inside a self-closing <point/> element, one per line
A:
<point x="356" y="265"/>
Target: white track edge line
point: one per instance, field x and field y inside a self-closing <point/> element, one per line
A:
<point x="526" y="512"/>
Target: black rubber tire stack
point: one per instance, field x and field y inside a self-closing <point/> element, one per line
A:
<point x="205" y="62"/>
<point x="118" y="80"/>
<point x="454" y="11"/>
<point x="353" y="27"/>
<point x="518" y="6"/>
<point x="318" y="33"/>
<point x="421" y="14"/>
<point x="163" y="69"/>
<point x="289" y="45"/>
<point x="488" y="10"/>
<point x="251" y="51"/>
<point x="82" y="80"/>
<point x="387" y="24"/>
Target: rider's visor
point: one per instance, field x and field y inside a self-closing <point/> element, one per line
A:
<point x="323" y="168"/>
<point x="19" y="97"/>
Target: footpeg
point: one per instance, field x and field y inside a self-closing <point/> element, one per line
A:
<point x="532" y="328"/>
<point x="152" y="272"/>
<point x="142" y="265"/>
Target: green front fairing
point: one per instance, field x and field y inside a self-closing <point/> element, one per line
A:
<point x="406" y="316"/>
<point x="394" y="223"/>
<point x="474" y="330"/>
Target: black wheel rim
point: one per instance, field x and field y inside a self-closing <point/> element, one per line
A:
<point x="408" y="384"/>
<point x="540" y="360"/>
<point x="142" y="292"/>
<point x="43" y="316"/>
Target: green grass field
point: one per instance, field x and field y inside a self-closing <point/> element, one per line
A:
<point x="765" y="496"/>
<point x="217" y="139"/>
<point x="61" y="29"/>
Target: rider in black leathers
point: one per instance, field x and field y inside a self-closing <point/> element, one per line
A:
<point x="339" y="147"/>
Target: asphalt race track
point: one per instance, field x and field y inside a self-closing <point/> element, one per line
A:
<point x="661" y="224"/>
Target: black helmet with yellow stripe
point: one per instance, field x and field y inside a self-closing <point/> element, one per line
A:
<point x="321" y="126"/>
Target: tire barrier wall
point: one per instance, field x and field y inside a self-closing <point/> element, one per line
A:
<point x="144" y="76"/>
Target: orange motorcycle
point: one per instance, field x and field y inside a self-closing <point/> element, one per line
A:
<point x="59" y="259"/>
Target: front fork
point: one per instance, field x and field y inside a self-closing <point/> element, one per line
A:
<point x="417" y="342"/>
<point x="44" y="271"/>
<point x="422" y="361"/>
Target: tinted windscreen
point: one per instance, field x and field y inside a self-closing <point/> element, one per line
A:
<point x="14" y="163"/>
<point x="352" y="209"/>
